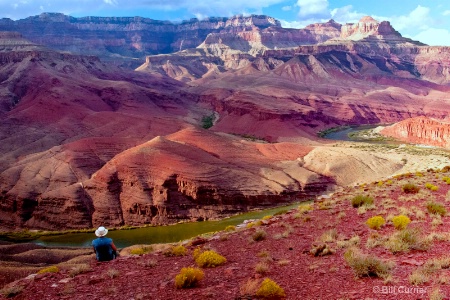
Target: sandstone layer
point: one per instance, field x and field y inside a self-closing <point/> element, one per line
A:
<point x="421" y="130"/>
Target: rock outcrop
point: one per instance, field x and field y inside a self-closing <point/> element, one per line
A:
<point x="421" y="130"/>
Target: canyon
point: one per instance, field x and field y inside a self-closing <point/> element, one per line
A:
<point x="88" y="141"/>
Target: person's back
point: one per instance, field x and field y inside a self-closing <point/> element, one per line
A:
<point x="104" y="247"/>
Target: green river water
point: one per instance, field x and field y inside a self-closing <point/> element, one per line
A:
<point x="157" y="234"/>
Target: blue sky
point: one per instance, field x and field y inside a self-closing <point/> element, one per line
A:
<point x="427" y="21"/>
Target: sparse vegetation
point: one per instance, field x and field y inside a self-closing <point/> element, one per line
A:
<point x="141" y="250"/>
<point x="431" y="187"/>
<point x="230" y="228"/>
<point x="375" y="222"/>
<point x="400" y="222"/>
<point x="259" y="235"/>
<point x="178" y="250"/>
<point x="436" y="208"/>
<point x="407" y="239"/>
<point x="360" y="200"/>
<point x="79" y="269"/>
<point x="52" y="269"/>
<point x="188" y="278"/>
<point x="12" y="290"/>
<point x="321" y="250"/>
<point x="269" y="289"/>
<point x="112" y="273"/>
<point x="209" y="259"/>
<point x="410" y="188"/>
<point x="367" y="265"/>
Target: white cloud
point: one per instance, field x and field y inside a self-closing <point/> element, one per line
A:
<point x="346" y="14"/>
<point x="286" y="8"/>
<point x="313" y="9"/>
<point x="295" y="24"/>
<point x="446" y="13"/>
<point x="418" y="18"/>
<point x="434" y="37"/>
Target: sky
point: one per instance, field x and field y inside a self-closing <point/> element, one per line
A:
<point x="427" y="21"/>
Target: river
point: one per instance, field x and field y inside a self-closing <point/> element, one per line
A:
<point x="157" y="234"/>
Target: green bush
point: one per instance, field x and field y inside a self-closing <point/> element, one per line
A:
<point x="436" y="208"/>
<point x="208" y="121"/>
<point x="210" y="259"/>
<point x="360" y="200"/>
<point x="269" y="289"/>
<point x="446" y="179"/>
<point x="410" y="188"/>
<point x="400" y="222"/>
<point x="375" y="222"/>
<point x="188" y="277"/>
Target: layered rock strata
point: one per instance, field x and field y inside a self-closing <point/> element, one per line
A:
<point x="421" y="130"/>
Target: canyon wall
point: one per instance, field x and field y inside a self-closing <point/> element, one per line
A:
<point x="421" y="130"/>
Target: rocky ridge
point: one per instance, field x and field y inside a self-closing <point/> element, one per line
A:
<point x="421" y="130"/>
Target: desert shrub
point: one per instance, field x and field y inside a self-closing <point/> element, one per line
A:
<point x="79" y="269"/>
<point x="367" y="265"/>
<point x="52" y="269"/>
<point x="230" y="228"/>
<point x="249" y="288"/>
<point x="400" y="222"/>
<point x="360" y="200"/>
<point x="112" y="273"/>
<point x="11" y="290"/>
<point x="259" y="235"/>
<point x="329" y="236"/>
<point x="141" y="250"/>
<point x="178" y="250"/>
<point x="305" y="208"/>
<point x="269" y="289"/>
<point x="210" y="259"/>
<point x="321" y="250"/>
<point x="262" y="267"/>
<point x="436" y="208"/>
<point x="418" y="277"/>
<point x="410" y="188"/>
<point x="148" y="263"/>
<point x="431" y="187"/>
<point x="407" y="239"/>
<point x="266" y="217"/>
<point x="375" y="222"/>
<point x="446" y="179"/>
<point x="188" y="277"/>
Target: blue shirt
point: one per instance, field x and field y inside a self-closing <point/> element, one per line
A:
<point x="103" y="249"/>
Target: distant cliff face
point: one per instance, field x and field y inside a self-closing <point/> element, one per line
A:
<point x="128" y="37"/>
<point x="421" y="130"/>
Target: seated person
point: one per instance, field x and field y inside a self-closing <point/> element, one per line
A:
<point x="104" y="247"/>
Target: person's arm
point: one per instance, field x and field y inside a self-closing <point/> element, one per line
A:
<point x="113" y="246"/>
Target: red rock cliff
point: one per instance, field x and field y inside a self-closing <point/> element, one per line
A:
<point x="421" y="130"/>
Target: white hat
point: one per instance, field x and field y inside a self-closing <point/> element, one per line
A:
<point x="101" y="231"/>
